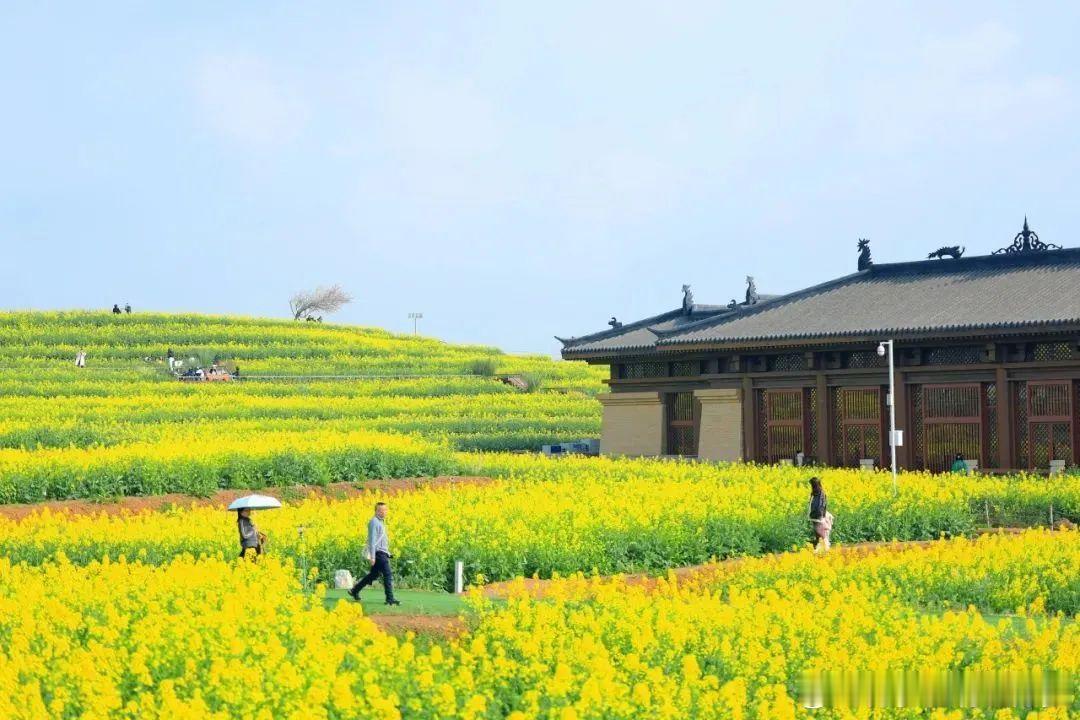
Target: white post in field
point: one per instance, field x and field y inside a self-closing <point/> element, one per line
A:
<point x="459" y="577"/>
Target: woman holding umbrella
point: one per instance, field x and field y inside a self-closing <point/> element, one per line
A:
<point x="250" y="537"/>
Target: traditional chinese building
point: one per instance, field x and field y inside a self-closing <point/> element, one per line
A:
<point x="987" y="364"/>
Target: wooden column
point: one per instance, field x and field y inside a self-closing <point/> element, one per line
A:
<point x="903" y="453"/>
<point x="749" y="429"/>
<point x="824" y="430"/>
<point x="1005" y="415"/>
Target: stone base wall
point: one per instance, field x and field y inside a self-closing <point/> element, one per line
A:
<point x="721" y="433"/>
<point x="633" y="424"/>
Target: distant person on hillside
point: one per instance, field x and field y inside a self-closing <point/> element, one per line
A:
<point x="250" y="537"/>
<point x="821" y="519"/>
<point x="127" y="308"/>
<point x="80" y="359"/>
<point x="115" y="309"/>
<point x="960" y="465"/>
<point x="377" y="552"/>
<point x="170" y="358"/>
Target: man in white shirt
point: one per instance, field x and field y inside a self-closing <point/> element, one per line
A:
<point x="377" y="552"/>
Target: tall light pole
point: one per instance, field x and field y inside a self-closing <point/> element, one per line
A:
<point x="414" y="317"/>
<point x="892" y="406"/>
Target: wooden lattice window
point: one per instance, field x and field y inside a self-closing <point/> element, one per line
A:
<point x="784" y="420"/>
<point x="681" y="432"/>
<point x="866" y="359"/>
<point x="788" y="362"/>
<point x="761" y="426"/>
<point x="1020" y="429"/>
<point x="857" y="418"/>
<point x="1050" y="422"/>
<point x="915" y="415"/>
<point x="639" y="370"/>
<point x="1042" y="352"/>
<point x="952" y="423"/>
<point x="811" y="447"/>
<point x="991" y="450"/>
<point x="685" y="368"/>
<point x="954" y="355"/>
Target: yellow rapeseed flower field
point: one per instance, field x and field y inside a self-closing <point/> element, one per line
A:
<point x="227" y="639"/>
<point x="542" y="516"/>
<point x="123" y="425"/>
<point x="150" y="616"/>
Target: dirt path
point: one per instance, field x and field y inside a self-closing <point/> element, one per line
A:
<point x="451" y="627"/>
<point x="334" y="491"/>
<point x="441" y="626"/>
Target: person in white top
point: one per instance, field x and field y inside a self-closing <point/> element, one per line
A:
<point x="377" y="552"/>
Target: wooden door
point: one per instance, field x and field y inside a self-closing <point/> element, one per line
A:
<point x="858" y="416"/>
<point x="681" y="425"/>
<point x="952" y="423"/>
<point x="1050" y="423"/>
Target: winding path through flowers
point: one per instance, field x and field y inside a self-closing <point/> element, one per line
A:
<point x="450" y="626"/>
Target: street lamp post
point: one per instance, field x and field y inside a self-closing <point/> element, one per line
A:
<point x="414" y="316"/>
<point x="892" y="406"/>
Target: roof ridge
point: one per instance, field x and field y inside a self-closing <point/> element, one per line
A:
<point x="775" y="301"/>
<point x="712" y="311"/>
<point x="993" y="260"/>
<point x="612" y="332"/>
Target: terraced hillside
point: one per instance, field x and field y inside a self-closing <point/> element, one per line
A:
<point x="318" y="402"/>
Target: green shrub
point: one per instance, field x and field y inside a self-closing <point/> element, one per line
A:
<point x="482" y="367"/>
<point x="534" y="381"/>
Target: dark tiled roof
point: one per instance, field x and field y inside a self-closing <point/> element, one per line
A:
<point x="972" y="293"/>
<point x="639" y="334"/>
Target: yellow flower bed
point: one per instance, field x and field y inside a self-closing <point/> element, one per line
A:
<point x="734" y="643"/>
<point x="215" y="639"/>
<point x="64" y="430"/>
<point x="547" y="516"/>
<point x="199" y="461"/>
<point x="193" y="639"/>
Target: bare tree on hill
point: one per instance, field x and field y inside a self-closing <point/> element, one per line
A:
<point x="323" y="300"/>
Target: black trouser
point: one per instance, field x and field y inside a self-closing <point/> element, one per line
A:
<point x="381" y="567"/>
<point x="257" y="549"/>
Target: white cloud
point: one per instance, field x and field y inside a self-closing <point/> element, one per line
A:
<point x="245" y="99"/>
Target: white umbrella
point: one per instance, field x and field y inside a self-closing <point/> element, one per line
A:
<point x="255" y="502"/>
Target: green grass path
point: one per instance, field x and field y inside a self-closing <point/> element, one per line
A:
<point x="413" y="602"/>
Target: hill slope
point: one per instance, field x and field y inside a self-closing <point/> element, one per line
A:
<point x="122" y="425"/>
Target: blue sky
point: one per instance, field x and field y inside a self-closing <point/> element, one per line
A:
<point x="514" y="170"/>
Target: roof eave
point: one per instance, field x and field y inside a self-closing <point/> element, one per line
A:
<point x="958" y="331"/>
<point x="615" y="332"/>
